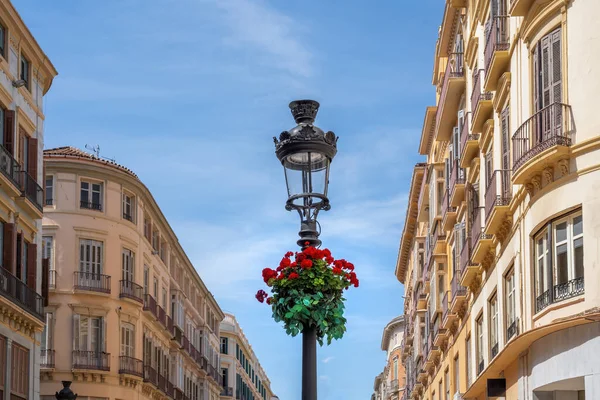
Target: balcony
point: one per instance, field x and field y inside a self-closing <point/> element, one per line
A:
<point x="131" y="366"/>
<point x="560" y="292"/>
<point x="18" y="294"/>
<point x="453" y="87"/>
<point x="480" y="241"/>
<point x="438" y="239"/>
<point x="227" y="392"/>
<point x="47" y="359"/>
<point x="10" y="178"/>
<point x="512" y="330"/>
<point x="448" y="317"/>
<point x="520" y="8"/>
<point x="131" y="290"/>
<point x="150" y="305"/>
<point x="91" y="360"/>
<point x="91" y="282"/>
<point x="161" y="315"/>
<point x="497" y="48"/>
<point x="480" y="366"/>
<point x="456" y="184"/>
<point x="178" y="335"/>
<point x="497" y="200"/>
<point x="494" y="350"/>
<point x="448" y="213"/>
<point x="423" y="213"/>
<point x="459" y="293"/>
<point x="481" y="103"/>
<point x="434" y="352"/>
<point x="33" y="194"/>
<point x="128" y="217"/>
<point x="150" y="375"/>
<point x="541" y="141"/>
<point x="52" y="279"/>
<point x="88" y="205"/>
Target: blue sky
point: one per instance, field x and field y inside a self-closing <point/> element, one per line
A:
<point x="189" y="93"/>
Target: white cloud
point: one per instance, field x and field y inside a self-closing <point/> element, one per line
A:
<point x="325" y="378"/>
<point x="328" y="359"/>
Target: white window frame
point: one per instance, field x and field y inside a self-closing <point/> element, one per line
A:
<point x="127" y="339"/>
<point x="509" y="297"/>
<point x="493" y="319"/>
<point x="90" y="193"/>
<point x="479" y="332"/>
<point x="129" y="206"/>
<point x="51" y="199"/>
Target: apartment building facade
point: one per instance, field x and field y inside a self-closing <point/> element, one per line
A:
<point x="501" y="298"/>
<point x="242" y="375"/>
<point x="26" y="75"/>
<point x="390" y="384"/>
<point x="128" y="315"/>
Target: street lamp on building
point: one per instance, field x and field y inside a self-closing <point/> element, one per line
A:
<point x="306" y="152"/>
<point x="66" y="393"/>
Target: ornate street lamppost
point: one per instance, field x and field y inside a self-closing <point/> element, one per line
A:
<point x="306" y="153"/>
<point x="66" y="393"/>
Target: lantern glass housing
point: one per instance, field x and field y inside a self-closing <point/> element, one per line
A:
<point x="306" y="175"/>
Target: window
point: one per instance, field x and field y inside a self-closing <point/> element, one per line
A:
<point x="547" y="74"/>
<point x="127" y="340"/>
<point x="147" y="228"/>
<point x="127" y="266"/>
<point x="48" y="250"/>
<point x="510" y="306"/>
<point x="3" y="364"/>
<point x="91" y="196"/>
<point x="3" y="43"/>
<point x="20" y="372"/>
<point x="49" y="190"/>
<point x="155" y="238"/>
<point x="479" y="333"/>
<point x="89" y="333"/>
<point x="224" y="345"/>
<point x="25" y="71"/>
<point x="155" y="288"/>
<point x="164" y="298"/>
<point x="90" y="258"/>
<point x="456" y="375"/>
<point x="48" y="334"/>
<point x="447" y="384"/>
<point x="129" y="207"/>
<point x="468" y="361"/>
<point x="493" y="329"/>
<point x="146" y="279"/>
<point x="559" y="260"/>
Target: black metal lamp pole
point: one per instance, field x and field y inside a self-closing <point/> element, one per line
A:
<point x="66" y="393"/>
<point x="306" y="153"/>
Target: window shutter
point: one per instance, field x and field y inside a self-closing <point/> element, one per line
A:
<point x="8" y="257"/>
<point x="545" y="70"/>
<point x="76" y="344"/>
<point x="45" y="273"/>
<point x="9" y="131"/>
<point x="32" y="266"/>
<point x="556" y="71"/>
<point x="505" y="136"/>
<point x="32" y="159"/>
<point x="488" y="168"/>
<point x="101" y="334"/>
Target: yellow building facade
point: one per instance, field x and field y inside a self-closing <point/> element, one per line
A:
<point x="499" y="253"/>
<point x="128" y="315"/>
<point x="26" y="75"/>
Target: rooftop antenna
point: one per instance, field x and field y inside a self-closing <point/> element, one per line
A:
<point x="96" y="150"/>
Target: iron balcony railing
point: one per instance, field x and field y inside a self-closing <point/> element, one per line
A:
<point x="150" y="375"/>
<point x="93" y="360"/>
<point x="559" y="292"/>
<point x="49" y="202"/>
<point x="91" y="282"/>
<point x="150" y="304"/>
<point x="445" y="306"/>
<point x="476" y="228"/>
<point x="131" y="366"/>
<point x="454" y="69"/>
<point x="495" y="350"/>
<point x="465" y="135"/>
<point x="478" y="94"/>
<point x="161" y="315"/>
<point x="17" y="292"/>
<point x="227" y="391"/>
<point x="465" y="257"/>
<point x="480" y="366"/>
<point x="499" y="191"/>
<point x="47" y="359"/>
<point x="31" y="190"/>
<point x="128" y="217"/>
<point x="457" y="175"/>
<point x="90" y="205"/>
<point x="131" y="290"/>
<point x="549" y="127"/>
<point x="512" y="330"/>
<point x="497" y="37"/>
<point x="9" y="166"/>
<point x="457" y="289"/>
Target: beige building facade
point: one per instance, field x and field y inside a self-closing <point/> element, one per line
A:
<point x="243" y="376"/>
<point x="128" y="315"/>
<point x="26" y="75"/>
<point x="390" y="384"/>
<point x="499" y="254"/>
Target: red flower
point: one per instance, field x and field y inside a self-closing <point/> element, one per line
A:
<point x="285" y="262"/>
<point x="289" y="254"/>
<point x="329" y="259"/>
<point x="293" y="275"/>
<point x="294" y="264"/>
<point x="269" y="300"/>
<point x="326" y="253"/>
<point x="350" y="266"/>
<point x="306" y="264"/>
<point x="300" y="257"/>
<point x="337" y="271"/>
<point x="268" y="274"/>
<point x="307" y="243"/>
<point x="261" y="295"/>
<point x="281" y="276"/>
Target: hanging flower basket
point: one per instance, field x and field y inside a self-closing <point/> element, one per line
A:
<point x="308" y="292"/>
